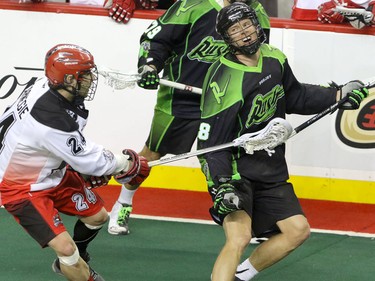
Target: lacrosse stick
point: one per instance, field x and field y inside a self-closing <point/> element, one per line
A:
<point x="368" y="83"/>
<point x="276" y="132"/>
<point x="358" y="18"/>
<point x="120" y="81"/>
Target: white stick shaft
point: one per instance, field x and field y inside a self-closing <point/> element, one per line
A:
<point x="180" y="86"/>
<point x="190" y="154"/>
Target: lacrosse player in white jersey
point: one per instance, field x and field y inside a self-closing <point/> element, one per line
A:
<point x="47" y="166"/>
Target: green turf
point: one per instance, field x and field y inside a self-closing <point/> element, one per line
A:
<point x="169" y="251"/>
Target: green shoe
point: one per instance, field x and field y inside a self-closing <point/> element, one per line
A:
<point x="121" y="227"/>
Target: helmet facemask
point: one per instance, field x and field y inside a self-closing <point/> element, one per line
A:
<point x="240" y="28"/>
<point x="243" y="37"/>
<point x="87" y="84"/>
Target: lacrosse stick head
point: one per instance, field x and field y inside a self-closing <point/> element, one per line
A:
<point x="117" y="80"/>
<point x="277" y="131"/>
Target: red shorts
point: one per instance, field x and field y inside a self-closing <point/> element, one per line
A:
<point x="39" y="214"/>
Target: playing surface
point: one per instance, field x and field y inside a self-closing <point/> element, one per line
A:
<point x="168" y="251"/>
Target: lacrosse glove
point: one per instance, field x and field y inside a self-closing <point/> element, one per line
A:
<point x="138" y="169"/>
<point x="226" y="199"/>
<point x="327" y="13"/>
<point x="94" y="181"/>
<point x="149" y="4"/>
<point x="120" y="10"/>
<point x="91" y="181"/>
<point x="149" y="77"/>
<point x="351" y="94"/>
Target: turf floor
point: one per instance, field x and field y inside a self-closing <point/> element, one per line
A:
<point x="168" y="251"/>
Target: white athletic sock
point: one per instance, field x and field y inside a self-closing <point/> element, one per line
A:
<point x="126" y="196"/>
<point x="246" y="271"/>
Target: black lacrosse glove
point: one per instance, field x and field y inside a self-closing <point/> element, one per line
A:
<point x="226" y="200"/>
<point x="351" y="94"/>
<point x="149" y="77"/>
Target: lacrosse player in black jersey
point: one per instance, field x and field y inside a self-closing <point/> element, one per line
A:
<point x="242" y="92"/>
<point x="183" y="42"/>
<point x="40" y="134"/>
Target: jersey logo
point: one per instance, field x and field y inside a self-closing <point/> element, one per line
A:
<point x="264" y="106"/>
<point x="183" y="8"/>
<point x="208" y="50"/>
<point x="218" y="93"/>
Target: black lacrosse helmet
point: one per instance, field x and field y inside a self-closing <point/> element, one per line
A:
<point x="233" y="14"/>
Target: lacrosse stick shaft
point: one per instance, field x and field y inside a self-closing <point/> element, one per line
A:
<point x="316" y="117"/>
<point x="180" y="86"/>
<point x="190" y="154"/>
<point x="369" y="84"/>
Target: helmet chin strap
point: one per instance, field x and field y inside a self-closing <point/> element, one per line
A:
<point x="77" y="100"/>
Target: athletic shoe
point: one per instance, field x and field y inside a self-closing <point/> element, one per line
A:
<point x="121" y="226"/>
<point x="93" y="274"/>
<point x="258" y="240"/>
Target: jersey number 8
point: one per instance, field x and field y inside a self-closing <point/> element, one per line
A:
<point x="204" y="131"/>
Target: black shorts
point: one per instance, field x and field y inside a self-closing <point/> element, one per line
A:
<point x="269" y="203"/>
<point x="171" y="135"/>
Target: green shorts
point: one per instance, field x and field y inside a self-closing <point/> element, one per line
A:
<point x="171" y="135"/>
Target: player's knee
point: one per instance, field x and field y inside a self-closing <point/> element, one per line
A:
<point x="298" y="232"/>
<point x="240" y="242"/>
<point x="96" y="221"/>
<point x="67" y="249"/>
<point x="69" y="256"/>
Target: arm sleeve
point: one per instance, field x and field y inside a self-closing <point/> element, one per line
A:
<point x="80" y="153"/>
<point x="304" y="98"/>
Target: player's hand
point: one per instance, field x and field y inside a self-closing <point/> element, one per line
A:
<point x="149" y="77"/>
<point x="120" y="10"/>
<point x="138" y="169"/>
<point x="227" y="199"/>
<point x="351" y="94"/>
<point x="149" y="4"/>
<point x="326" y="13"/>
<point x="94" y="182"/>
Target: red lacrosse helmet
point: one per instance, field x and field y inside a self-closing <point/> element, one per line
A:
<point x="68" y="59"/>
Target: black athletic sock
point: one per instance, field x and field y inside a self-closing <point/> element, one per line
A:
<point x="82" y="237"/>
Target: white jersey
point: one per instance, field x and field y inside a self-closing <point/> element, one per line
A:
<point x="41" y="133"/>
<point x="308" y="9"/>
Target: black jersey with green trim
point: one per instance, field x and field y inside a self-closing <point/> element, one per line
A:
<point x="184" y="43"/>
<point x="238" y="99"/>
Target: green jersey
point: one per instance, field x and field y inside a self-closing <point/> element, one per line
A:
<point x="184" y="43"/>
<point x="239" y="99"/>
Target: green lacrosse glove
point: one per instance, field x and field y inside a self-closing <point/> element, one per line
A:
<point x="227" y="199"/>
<point x="149" y="77"/>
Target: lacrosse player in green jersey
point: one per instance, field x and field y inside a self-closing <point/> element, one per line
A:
<point x="183" y="42"/>
<point x="246" y="88"/>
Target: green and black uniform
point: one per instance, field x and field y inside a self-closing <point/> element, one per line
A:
<point x="183" y="42"/>
<point x="237" y="100"/>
